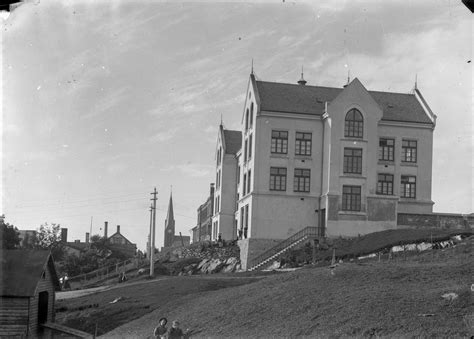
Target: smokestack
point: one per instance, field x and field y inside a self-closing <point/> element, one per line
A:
<point x="118" y="228"/>
<point x="87" y="237"/>
<point x="106" y="225"/>
<point x="64" y="235"/>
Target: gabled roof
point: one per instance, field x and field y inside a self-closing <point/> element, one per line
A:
<point x="292" y="98"/>
<point x="21" y="271"/>
<point x="232" y="141"/>
<point x="120" y="235"/>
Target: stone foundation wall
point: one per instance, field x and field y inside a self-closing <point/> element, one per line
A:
<point x="252" y="248"/>
<point x="435" y="220"/>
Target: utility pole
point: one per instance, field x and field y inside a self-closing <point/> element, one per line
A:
<point x="152" y="254"/>
<point x="149" y="234"/>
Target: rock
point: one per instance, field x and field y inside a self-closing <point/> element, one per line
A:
<point x="230" y="265"/>
<point x="274" y="266"/>
<point x="449" y="296"/>
<point x="202" y="263"/>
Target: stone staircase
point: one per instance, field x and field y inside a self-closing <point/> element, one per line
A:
<point x="273" y="253"/>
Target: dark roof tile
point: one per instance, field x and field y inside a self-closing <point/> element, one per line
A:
<point x="292" y="98"/>
<point x="233" y="141"/>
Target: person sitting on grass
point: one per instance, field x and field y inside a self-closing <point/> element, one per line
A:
<point x="175" y="332"/>
<point x="161" y="330"/>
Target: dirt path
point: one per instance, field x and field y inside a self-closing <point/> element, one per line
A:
<point x="80" y="293"/>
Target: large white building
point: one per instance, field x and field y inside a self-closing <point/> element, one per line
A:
<point x="343" y="160"/>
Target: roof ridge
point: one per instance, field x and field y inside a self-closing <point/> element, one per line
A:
<point x="297" y="85"/>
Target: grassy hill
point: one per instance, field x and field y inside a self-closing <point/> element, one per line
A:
<point x="397" y="298"/>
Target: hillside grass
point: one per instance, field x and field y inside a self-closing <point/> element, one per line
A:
<point x="396" y="298"/>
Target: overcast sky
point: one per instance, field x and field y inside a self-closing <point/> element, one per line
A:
<point x="102" y="101"/>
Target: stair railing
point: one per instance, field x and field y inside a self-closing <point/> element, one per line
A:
<point x="308" y="232"/>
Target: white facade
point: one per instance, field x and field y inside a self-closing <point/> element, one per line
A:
<point x="306" y="160"/>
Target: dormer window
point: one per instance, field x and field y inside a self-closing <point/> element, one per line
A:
<point x="354" y="124"/>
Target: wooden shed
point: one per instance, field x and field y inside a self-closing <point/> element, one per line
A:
<point x="28" y="282"/>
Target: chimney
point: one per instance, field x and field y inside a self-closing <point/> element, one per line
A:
<point x="106" y="225"/>
<point x="87" y="237"/>
<point x="118" y="228"/>
<point x="212" y="189"/>
<point x="64" y="235"/>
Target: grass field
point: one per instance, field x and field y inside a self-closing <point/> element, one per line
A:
<point x="397" y="298"/>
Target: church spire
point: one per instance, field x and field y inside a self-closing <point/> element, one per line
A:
<point x="169" y="224"/>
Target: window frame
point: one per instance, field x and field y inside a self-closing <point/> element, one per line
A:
<point x="384" y="186"/>
<point x="302" y="180"/>
<point x="300" y="140"/>
<point x="352" y="163"/>
<point x="279" y="143"/>
<point x="409" y="193"/>
<point x="386" y="152"/>
<point x="354" y="124"/>
<point x="351" y="201"/>
<point x="280" y="178"/>
<point x="412" y="154"/>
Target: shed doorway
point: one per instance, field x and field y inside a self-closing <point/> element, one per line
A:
<point x="43" y="307"/>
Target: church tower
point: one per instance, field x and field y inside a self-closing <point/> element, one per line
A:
<point x="169" y="224"/>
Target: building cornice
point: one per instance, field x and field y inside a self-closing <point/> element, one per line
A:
<point x="393" y="123"/>
<point x="291" y="115"/>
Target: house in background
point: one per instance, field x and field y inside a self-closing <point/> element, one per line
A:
<point x="344" y="161"/>
<point x="202" y="231"/>
<point x="118" y="243"/>
<point x="27" y="292"/>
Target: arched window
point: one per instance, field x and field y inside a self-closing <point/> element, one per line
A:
<point x="354" y="124"/>
<point x="247" y="120"/>
<point x="251" y="115"/>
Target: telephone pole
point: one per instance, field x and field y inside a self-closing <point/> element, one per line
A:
<point x="149" y="235"/>
<point x="152" y="256"/>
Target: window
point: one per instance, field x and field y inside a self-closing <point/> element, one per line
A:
<point x="409" y="150"/>
<point x="303" y="143"/>
<point x="351" y="198"/>
<point x="217" y="179"/>
<point x="250" y="146"/>
<point x="245" y="150"/>
<point x="386" y="149"/>
<point x="352" y="160"/>
<point x="251" y="115"/>
<point x="302" y="180"/>
<point x="408" y="187"/>
<point x="246" y="216"/>
<point x="354" y="124"/>
<point x="277" y="179"/>
<point x="241" y="217"/>
<point x="385" y="184"/>
<point x="244" y="186"/>
<point x="238" y="175"/>
<point x="279" y="142"/>
<point x="247" y="120"/>
<point x="248" y="181"/>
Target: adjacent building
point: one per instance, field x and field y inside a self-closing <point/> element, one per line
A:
<point x="345" y="160"/>
<point x="203" y="230"/>
<point x="27" y="292"/>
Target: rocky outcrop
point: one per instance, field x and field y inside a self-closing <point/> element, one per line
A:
<point x="214" y="259"/>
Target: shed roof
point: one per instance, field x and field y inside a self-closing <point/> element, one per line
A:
<point x="22" y="269"/>
<point x="292" y="98"/>
<point x="232" y="140"/>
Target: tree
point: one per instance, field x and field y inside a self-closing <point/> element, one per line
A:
<point x="49" y="237"/>
<point x="9" y="235"/>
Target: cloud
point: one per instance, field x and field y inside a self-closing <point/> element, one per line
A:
<point x="195" y="170"/>
<point x="163" y="135"/>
